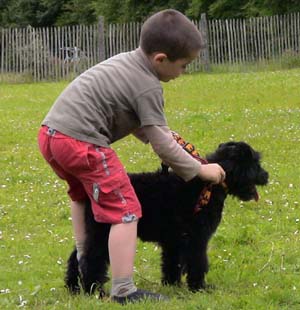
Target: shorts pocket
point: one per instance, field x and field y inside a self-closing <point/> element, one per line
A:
<point x="111" y="183"/>
<point x="109" y="187"/>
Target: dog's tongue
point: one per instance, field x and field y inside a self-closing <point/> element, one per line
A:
<point x="256" y="196"/>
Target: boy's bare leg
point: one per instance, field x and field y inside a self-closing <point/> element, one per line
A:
<point x="122" y="248"/>
<point x="78" y="222"/>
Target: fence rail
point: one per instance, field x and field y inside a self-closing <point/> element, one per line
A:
<point x="55" y="53"/>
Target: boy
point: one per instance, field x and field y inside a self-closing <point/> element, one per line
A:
<point x="111" y="100"/>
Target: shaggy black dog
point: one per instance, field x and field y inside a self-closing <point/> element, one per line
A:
<point x="174" y="218"/>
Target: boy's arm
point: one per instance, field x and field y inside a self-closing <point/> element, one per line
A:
<point x="179" y="160"/>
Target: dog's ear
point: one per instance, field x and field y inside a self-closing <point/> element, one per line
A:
<point x="246" y="152"/>
<point x="240" y="152"/>
<point x="228" y="149"/>
<point x="227" y="145"/>
<point x="237" y="150"/>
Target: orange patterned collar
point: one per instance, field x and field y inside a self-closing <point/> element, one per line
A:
<point x="205" y="194"/>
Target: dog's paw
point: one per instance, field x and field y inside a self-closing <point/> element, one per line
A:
<point x="203" y="287"/>
<point x="101" y="293"/>
<point x="172" y="282"/>
<point x="209" y="288"/>
<point x="73" y="289"/>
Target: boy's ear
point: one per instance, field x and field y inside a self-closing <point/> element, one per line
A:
<point x="160" y="57"/>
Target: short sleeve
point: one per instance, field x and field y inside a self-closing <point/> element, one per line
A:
<point x="150" y="108"/>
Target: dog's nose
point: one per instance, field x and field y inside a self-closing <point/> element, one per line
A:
<point x="263" y="178"/>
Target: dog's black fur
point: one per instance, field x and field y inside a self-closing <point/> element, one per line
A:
<point x="169" y="219"/>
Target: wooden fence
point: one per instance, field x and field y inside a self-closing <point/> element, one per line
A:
<point x="50" y="53"/>
<point x="56" y="53"/>
<point x="247" y="40"/>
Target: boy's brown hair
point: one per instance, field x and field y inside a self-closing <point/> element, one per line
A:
<point x="172" y="33"/>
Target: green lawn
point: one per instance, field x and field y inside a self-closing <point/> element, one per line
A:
<point x="254" y="256"/>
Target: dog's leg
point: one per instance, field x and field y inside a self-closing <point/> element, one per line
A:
<point x="72" y="274"/>
<point x="171" y="268"/>
<point x="94" y="262"/>
<point x="93" y="271"/>
<point x="197" y="265"/>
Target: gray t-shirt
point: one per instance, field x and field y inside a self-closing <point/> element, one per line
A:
<point x="110" y="100"/>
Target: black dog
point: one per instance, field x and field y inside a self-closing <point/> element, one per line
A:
<point x="174" y="218"/>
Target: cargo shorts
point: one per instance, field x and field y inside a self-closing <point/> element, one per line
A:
<point x="92" y="172"/>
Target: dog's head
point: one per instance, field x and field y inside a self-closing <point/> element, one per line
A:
<point x="243" y="169"/>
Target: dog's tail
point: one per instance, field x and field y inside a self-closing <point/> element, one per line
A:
<point x="72" y="274"/>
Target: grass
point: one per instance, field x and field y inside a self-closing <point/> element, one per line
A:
<point x="254" y="256"/>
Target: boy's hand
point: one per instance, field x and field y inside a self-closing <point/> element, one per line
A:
<point x="213" y="173"/>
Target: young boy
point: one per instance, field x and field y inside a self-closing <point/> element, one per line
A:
<point x="113" y="99"/>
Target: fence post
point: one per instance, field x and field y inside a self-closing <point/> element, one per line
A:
<point x="2" y="51"/>
<point x="101" y="38"/>
<point x="205" y="50"/>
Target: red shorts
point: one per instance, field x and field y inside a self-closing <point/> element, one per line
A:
<point x="94" y="172"/>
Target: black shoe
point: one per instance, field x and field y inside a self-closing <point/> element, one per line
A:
<point x="139" y="295"/>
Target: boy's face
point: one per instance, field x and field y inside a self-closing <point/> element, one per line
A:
<point x="168" y="70"/>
